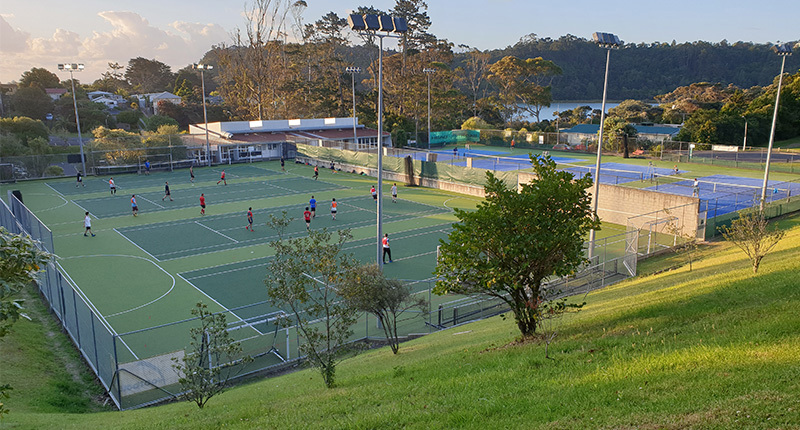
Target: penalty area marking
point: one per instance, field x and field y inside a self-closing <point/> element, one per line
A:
<point x="141" y="258"/>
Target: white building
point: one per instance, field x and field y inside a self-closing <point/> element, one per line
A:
<point x="238" y="141"/>
<point x="152" y="99"/>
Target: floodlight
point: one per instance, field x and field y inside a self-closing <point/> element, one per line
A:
<point x="783" y="49"/>
<point x="60" y="66"/>
<point x="352" y="69"/>
<point x="371" y="22"/>
<point x="356" y="22"/>
<point x="427" y="70"/>
<point x="387" y="23"/>
<point x="607" y="40"/>
<point x="400" y="25"/>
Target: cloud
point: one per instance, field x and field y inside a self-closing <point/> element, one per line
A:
<point x="11" y="40"/>
<point x="131" y="36"/>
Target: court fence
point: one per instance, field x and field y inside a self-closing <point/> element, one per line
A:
<point x="145" y="376"/>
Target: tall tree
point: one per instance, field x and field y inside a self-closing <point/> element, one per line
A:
<point x="40" y="78"/>
<point x="473" y="74"/>
<point x="521" y="83"/>
<point x="31" y="102"/>
<point x="517" y="238"/>
<point x="148" y="76"/>
<point x="416" y="14"/>
<point x="254" y="71"/>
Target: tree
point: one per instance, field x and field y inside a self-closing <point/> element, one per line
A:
<point x="117" y="146"/>
<point x="39" y="78"/>
<point x="40" y="157"/>
<point x="304" y="277"/>
<point x="148" y="76"/>
<point x="473" y="74"/>
<point x="475" y="123"/>
<point x="24" y="128"/>
<point x="157" y="121"/>
<point x="517" y="239"/>
<point x="20" y="262"/>
<point x="369" y="291"/>
<point x="31" y="102"/>
<point x="751" y="233"/>
<point x="635" y="111"/>
<point x="521" y="83"/>
<point x="212" y="359"/>
<point x="617" y="131"/>
<point x="416" y="16"/>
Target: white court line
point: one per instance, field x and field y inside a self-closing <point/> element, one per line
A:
<point x="84" y="209"/>
<point x="219" y="304"/>
<point x="148" y="200"/>
<point x="97" y="311"/>
<point x="134" y="244"/>
<point x="223" y="235"/>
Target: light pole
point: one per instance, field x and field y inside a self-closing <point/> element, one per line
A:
<point x="608" y="41"/>
<point x="429" y="72"/>
<point x="783" y="51"/>
<point x="77" y="67"/>
<point x="352" y="71"/>
<point x="379" y="26"/>
<point x="203" y="67"/>
<point x="744" y="142"/>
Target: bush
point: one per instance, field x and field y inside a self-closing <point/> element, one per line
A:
<point x="476" y="123"/>
<point x="54" y="171"/>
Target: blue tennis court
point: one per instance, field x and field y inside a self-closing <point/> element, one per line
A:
<point x="723" y="194"/>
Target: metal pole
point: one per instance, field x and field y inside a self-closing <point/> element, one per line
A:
<point x="355" y="136"/>
<point x="744" y="143"/>
<point x="771" y="138"/>
<point x="205" y="116"/>
<point x="380" y="153"/>
<point x="599" y="154"/>
<point x="429" y="111"/>
<point x="77" y="121"/>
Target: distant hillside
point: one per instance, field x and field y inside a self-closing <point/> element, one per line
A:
<point x="645" y="70"/>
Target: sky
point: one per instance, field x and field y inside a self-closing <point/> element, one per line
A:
<point x="44" y="33"/>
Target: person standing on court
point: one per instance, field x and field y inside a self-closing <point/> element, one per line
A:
<point x="191" y="174"/>
<point x="80" y="180"/>
<point x="134" y="207"/>
<point x="283" y="167"/>
<point x="386" y="249"/>
<point x="146" y="167"/>
<point x="222" y="178"/>
<point x="112" y="186"/>
<point x="374" y="194"/>
<point x="249" y="220"/>
<point x="307" y="217"/>
<point x="316" y="172"/>
<point x="313" y="204"/>
<point x="696" y="188"/>
<point x="202" y="204"/>
<point x="334" y="208"/>
<point x="166" y="192"/>
<point x="394" y="193"/>
<point x="87" y="222"/>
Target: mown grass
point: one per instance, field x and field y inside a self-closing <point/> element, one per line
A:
<point x="714" y="348"/>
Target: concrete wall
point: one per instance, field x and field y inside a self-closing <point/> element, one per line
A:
<point x="637" y="207"/>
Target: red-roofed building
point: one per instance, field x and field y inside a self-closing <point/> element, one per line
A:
<point x="241" y="141"/>
<point x="55" y="93"/>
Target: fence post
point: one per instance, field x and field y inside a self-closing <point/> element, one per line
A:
<point x="77" y="324"/>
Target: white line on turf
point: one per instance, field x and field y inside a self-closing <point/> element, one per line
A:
<point x="219" y="304"/>
<point x="136" y="245"/>
<point x="148" y="200"/>
<point x="84" y="209"/>
<point x="223" y="235"/>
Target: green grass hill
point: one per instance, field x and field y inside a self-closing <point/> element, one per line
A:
<point x="711" y="348"/>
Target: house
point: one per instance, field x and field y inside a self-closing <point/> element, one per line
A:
<point x="152" y="99"/>
<point x="55" y="93"/>
<point x="239" y="141"/>
<point x="583" y="134"/>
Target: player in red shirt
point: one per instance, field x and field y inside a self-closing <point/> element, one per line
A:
<point x="202" y="204"/>
<point x="307" y="217"/>
<point x="249" y="220"/>
<point x="374" y="194"/>
<point x="316" y="172"/>
<point x="334" y="208"/>
<point x="222" y="178"/>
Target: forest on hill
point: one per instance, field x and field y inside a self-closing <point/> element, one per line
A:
<point x="644" y="70"/>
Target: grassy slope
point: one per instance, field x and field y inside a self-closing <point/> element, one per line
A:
<point x="713" y="348"/>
